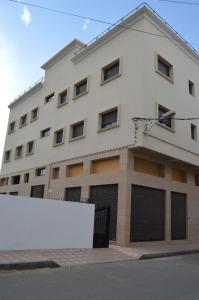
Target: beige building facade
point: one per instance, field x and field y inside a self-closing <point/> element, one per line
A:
<point x="76" y="135"/>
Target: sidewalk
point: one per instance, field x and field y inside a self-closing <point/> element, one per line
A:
<point x="71" y="257"/>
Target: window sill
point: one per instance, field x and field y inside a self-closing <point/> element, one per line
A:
<point x="170" y="79"/>
<point x="76" y="138"/>
<point x="103" y="82"/>
<point x="18" y="157"/>
<point x="28" y="154"/>
<point x="166" y="127"/>
<point x="59" y="144"/>
<point x="82" y="94"/>
<point x="62" y="104"/>
<point x="21" y="126"/>
<point x="107" y="128"/>
<point x="33" y="120"/>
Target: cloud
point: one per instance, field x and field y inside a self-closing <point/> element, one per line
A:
<point x="85" y="26"/>
<point x="26" y="16"/>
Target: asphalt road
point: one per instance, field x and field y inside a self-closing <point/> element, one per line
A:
<point x="167" y="278"/>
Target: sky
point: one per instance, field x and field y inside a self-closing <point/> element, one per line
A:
<point x="30" y="36"/>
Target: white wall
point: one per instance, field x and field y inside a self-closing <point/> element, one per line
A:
<point x="27" y="223"/>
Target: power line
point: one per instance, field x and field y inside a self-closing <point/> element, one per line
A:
<point x="180" y="2"/>
<point x="157" y="119"/>
<point x="99" y="21"/>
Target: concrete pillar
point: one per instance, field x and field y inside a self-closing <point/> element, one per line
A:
<point x="85" y="192"/>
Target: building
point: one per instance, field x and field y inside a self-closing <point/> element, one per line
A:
<point x="71" y="136"/>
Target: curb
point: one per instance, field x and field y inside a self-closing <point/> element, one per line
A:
<point x="28" y="265"/>
<point x="168" y="254"/>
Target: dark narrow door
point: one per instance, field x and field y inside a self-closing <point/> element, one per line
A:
<point x="101" y="227"/>
<point x="103" y="196"/>
<point x="73" y="194"/>
<point x="147" y="214"/>
<point x="37" y="191"/>
<point x="178" y="216"/>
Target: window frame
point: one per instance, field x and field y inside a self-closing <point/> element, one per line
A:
<point x="20" y="123"/>
<point x="192" y="89"/>
<point x="75" y="96"/>
<point x="195" y="135"/>
<point x="33" y="148"/>
<point x="48" y="97"/>
<point x="54" y="137"/>
<point x="11" y="131"/>
<point x="22" y="148"/>
<point x="117" y="124"/>
<point x="66" y="91"/>
<point x="71" y="138"/>
<point x="31" y="114"/>
<point x="40" y="168"/>
<point x="53" y="172"/>
<point x="168" y="64"/>
<point x="119" y="60"/>
<point x="48" y="128"/>
<point x="7" y="160"/>
<point x="163" y="125"/>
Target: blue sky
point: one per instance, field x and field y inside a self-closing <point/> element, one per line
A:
<point x="30" y="36"/>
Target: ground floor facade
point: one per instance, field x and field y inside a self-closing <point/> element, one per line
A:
<point x="153" y="198"/>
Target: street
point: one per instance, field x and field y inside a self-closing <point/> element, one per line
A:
<point x="166" y="278"/>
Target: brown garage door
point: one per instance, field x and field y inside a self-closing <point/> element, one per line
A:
<point x="147" y="214"/>
<point x="178" y="216"/>
<point x="73" y="194"/>
<point x="106" y="195"/>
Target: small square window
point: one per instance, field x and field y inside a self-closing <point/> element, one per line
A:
<point x="4" y="181"/>
<point x="30" y="148"/>
<point x="191" y="88"/>
<point x="164" y="68"/>
<point x="167" y="121"/>
<point x="23" y="121"/>
<point x="49" y="98"/>
<point x="40" y="172"/>
<point x="15" y="179"/>
<point x="7" y="156"/>
<point x="59" y="137"/>
<point x="194" y="132"/>
<point x="11" y="127"/>
<point x="62" y="98"/>
<point x="108" y="119"/>
<point x="77" y="130"/>
<point x="81" y="88"/>
<point x="45" y="132"/>
<point x="111" y="71"/>
<point x="55" y="173"/>
<point x="26" y="177"/>
<point x="34" y="114"/>
<point x="19" y="151"/>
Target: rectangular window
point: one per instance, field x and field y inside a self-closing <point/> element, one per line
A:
<point x="164" y="68"/>
<point x="55" y="173"/>
<point x="40" y="172"/>
<point x="49" y="98"/>
<point x="178" y="175"/>
<point x="196" y="180"/>
<point x="30" y="148"/>
<point x="45" y="132"/>
<point x="11" y="127"/>
<point x="23" y="121"/>
<point x="4" y="181"/>
<point x="108" y="119"/>
<point x="80" y="88"/>
<point x="77" y="130"/>
<point x="7" y="156"/>
<point x="26" y="177"/>
<point x="19" y="151"/>
<point x="62" y="98"/>
<point x="59" y="137"/>
<point x="15" y="179"/>
<point x="193" y="132"/>
<point x="13" y="193"/>
<point x="111" y="71"/>
<point x="34" y="114"/>
<point x="191" y="88"/>
<point x="167" y="121"/>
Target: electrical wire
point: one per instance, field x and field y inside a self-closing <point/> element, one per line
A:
<point x="157" y="119"/>
<point x="180" y="2"/>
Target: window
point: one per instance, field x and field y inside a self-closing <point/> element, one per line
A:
<point x="30" y="148"/>
<point x="13" y="193"/>
<point x="111" y="71"/>
<point x="23" y="121"/>
<point x="19" y="151"/>
<point x="15" y="179"/>
<point x="55" y="173"/>
<point x="80" y="88"/>
<point x="193" y="132"/>
<point x="49" y="98"/>
<point x="77" y="130"/>
<point x="11" y="127"/>
<point x="191" y="88"/>
<point x="62" y="98"/>
<point x="40" y="172"/>
<point x="164" y="68"/>
<point x="196" y="180"/>
<point x="58" y="137"/>
<point x="7" y="156"/>
<point x="108" y="119"/>
<point x="166" y="121"/>
<point x="4" y="181"/>
<point x="45" y="132"/>
<point x="26" y="177"/>
<point x="34" y="114"/>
